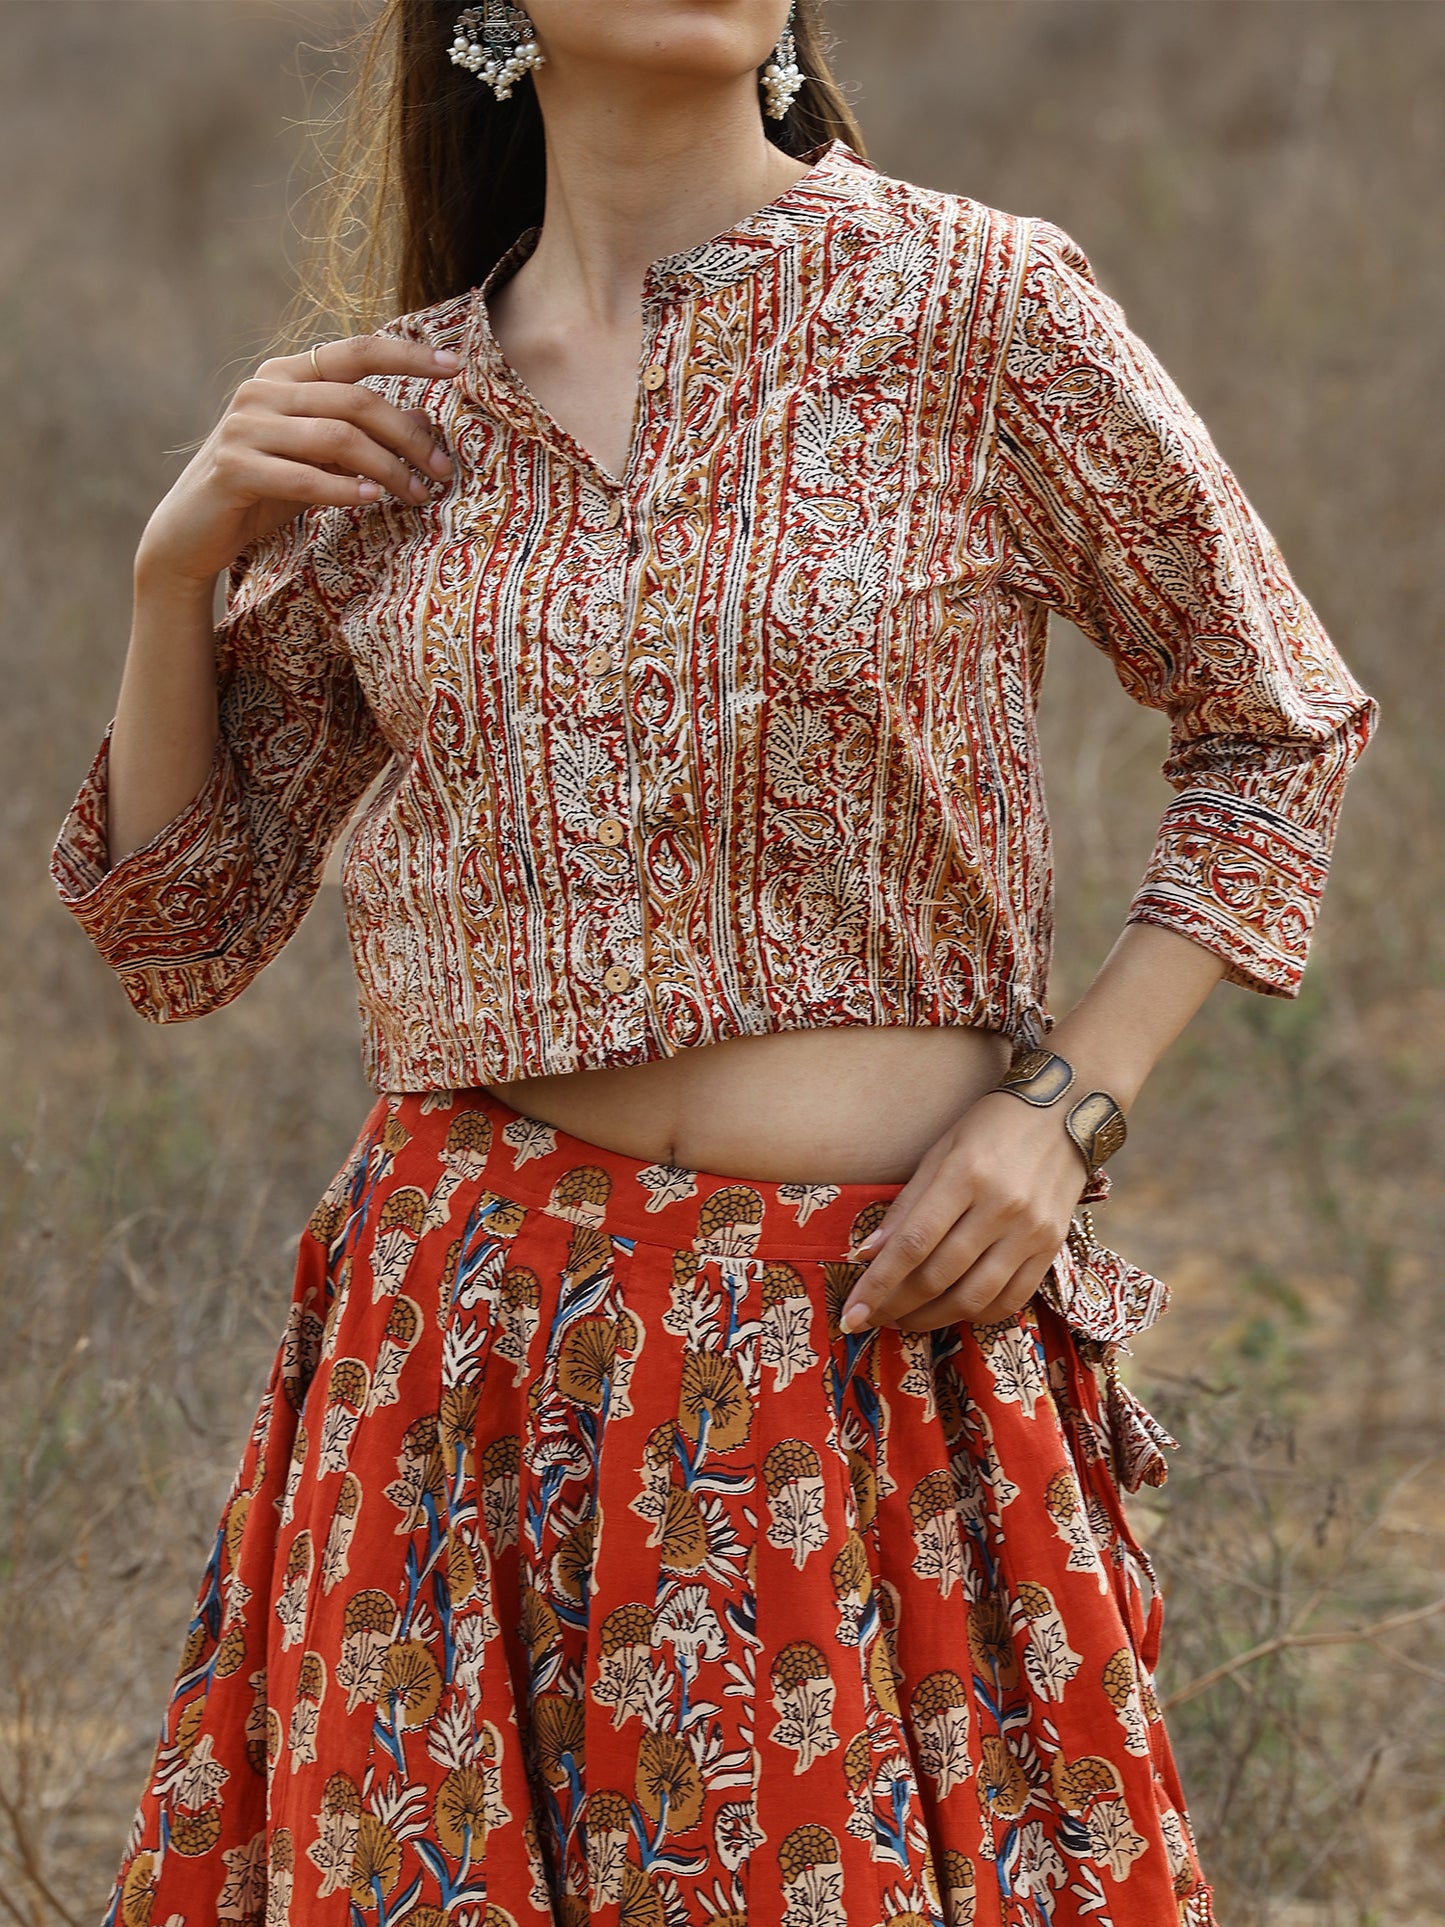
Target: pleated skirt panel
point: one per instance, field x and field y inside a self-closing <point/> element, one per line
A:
<point x="578" y="1568"/>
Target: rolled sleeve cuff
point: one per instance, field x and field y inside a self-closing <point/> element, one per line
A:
<point x="1240" y="880"/>
<point x="170" y="917"/>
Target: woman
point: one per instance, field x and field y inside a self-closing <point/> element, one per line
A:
<point x="688" y="1488"/>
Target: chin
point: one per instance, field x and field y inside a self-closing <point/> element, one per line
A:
<point x="706" y="39"/>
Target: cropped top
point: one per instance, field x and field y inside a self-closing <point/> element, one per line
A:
<point x="743" y="740"/>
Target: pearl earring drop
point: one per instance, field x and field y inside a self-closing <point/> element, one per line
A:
<point x="495" y="43"/>
<point x="781" y="76"/>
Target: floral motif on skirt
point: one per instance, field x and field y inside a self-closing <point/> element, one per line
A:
<point x="578" y="1568"/>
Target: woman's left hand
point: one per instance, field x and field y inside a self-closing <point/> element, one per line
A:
<point x="976" y="1227"/>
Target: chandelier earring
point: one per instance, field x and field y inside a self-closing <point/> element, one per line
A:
<point x="781" y="78"/>
<point x="497" y="43"/>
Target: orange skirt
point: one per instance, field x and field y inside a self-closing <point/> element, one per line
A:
<point x="578" y="1568"/>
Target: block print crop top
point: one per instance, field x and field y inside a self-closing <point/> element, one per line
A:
<point x="743" y="739"/>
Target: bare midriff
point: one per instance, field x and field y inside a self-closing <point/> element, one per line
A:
<point x="850" y="1104"/>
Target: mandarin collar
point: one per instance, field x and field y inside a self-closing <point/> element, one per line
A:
<point x="837" y="173"/>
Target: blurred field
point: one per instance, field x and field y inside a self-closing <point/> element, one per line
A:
<point x="1261" y="186"/>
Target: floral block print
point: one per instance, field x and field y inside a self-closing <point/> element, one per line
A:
<point x="794" y="654"/>
<point x="578" y="1568"/>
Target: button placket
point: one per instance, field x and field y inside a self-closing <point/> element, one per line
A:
<point x="622" y="515"/>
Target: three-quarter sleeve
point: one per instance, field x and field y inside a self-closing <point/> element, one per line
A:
<point x="1119" y="513"/>
<point x="188" y="919"/>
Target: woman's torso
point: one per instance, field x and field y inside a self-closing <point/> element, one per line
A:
<point x="722" y="731"/>
<point x="851" y="1105"/>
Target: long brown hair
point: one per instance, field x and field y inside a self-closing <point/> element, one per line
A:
<point x="433" y="177"/>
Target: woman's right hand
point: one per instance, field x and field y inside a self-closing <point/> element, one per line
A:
<point x="287" y="439"/>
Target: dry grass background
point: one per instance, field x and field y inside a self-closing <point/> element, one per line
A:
<point x="1261" y="186"/>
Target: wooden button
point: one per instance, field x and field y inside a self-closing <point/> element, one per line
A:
<point x="617" y="976"/>
<point x="613" y="514"/>
<point x="611" y="829"/>
<point x="598" y="662"/>
<point x="654" y="375"/>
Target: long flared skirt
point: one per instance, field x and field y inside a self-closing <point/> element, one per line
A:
<point x="578" y="1568"/>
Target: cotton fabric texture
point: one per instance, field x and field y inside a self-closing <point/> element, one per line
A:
<point x="578" y="1568"/>
<point x="742" y="740"/>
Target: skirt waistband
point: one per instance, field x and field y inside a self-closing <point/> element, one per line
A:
<point x="535" y="1163"/>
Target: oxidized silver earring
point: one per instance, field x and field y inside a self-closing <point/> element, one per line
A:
<point x="497" y="44"/>
<point x="781" y="78"/>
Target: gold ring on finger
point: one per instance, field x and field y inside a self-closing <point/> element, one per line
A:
<point x="315" y="364"/>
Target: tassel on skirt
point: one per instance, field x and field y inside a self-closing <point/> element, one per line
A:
<point x="579" y="1568"/>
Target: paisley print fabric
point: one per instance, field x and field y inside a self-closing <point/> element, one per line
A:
<point x="743" y="739"/>
<point x="578" y="1568"/>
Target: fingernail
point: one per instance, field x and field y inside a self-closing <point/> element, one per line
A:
<point x="872" y="1241"/>
<point x="853" y="1317"/>
<point x="446" y="358"/>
